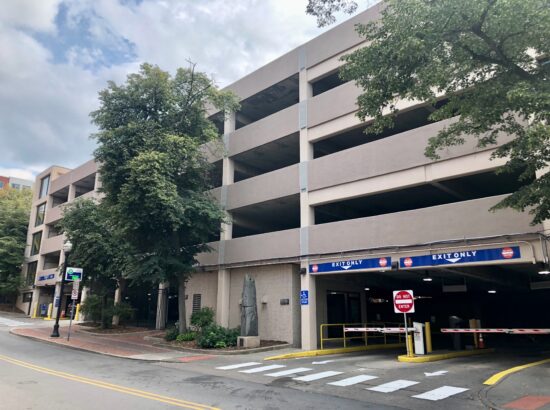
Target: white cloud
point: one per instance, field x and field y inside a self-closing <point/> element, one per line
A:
<point x="45" y="103"/>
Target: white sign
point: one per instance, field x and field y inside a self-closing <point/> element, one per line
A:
<point x="403" y="301"/>
<point x="74" y="294"/>
<point x="73" y="274"/>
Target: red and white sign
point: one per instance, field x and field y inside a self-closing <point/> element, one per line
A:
<point x="403" y="301"/>
<point x="314" y="268"/>
<point x="408" y="262"/>
<point x="507" y="253"/>
<point x="383" y="262"/>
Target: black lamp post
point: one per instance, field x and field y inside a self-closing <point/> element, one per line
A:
<point x="67" y="247"/>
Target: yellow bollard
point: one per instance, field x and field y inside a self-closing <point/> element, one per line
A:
<point x="35" y="313"/>
<point x="428" y="337"/>
<point x="410" y="352"/>
<point x="77" y="314"/>
<point x="50" y="309"/>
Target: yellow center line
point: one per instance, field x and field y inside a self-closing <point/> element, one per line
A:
<point x="494" y="379"/>
<point x="98" y="383"/>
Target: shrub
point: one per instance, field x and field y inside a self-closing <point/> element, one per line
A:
<point x="202" y="318"/>
<point x="92" y="308"/>
<point x="215" y="336"/>
<point x="123" y="310"/>
<point x="171" y="334"/>
<point x="186" y="337"/>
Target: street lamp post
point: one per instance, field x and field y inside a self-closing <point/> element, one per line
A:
<point x="67" y="247"/>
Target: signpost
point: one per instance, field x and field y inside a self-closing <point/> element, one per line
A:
<point x="74" y="298"/>
<point x="73" y="274"/>
<point x="403" y="302"/>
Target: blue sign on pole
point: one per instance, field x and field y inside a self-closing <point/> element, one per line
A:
<point x="461" y="257"/>
<point x="304" y="297"/>
<point x="355" y="264"/>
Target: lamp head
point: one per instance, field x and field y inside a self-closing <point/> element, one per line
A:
<point x="67" y="246"/>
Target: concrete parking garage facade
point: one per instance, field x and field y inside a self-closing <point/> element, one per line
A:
<point x="319" y="207"/>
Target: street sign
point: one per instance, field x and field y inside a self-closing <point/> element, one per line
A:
<point x="403" y="301"/>
<point x="374" y="264"/>
<point x="76" y="288"/>
<point x="304" y="297"/>
<point x="73" y="274"/>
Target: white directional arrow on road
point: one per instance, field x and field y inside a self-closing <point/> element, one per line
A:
<point x="439" y="373"/>
<point x="323" y="362"/>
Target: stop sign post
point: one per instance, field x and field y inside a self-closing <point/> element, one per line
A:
<point x="403" y="302"/>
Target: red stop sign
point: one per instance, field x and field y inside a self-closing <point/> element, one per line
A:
<point x="403" y="301"/>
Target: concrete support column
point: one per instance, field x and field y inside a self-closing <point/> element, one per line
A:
<point x="161" y="306"/>
<point x="222" y="302"/>
<point x="72" y="192"/>
<point x="309" y="312"/>
<point x="35" y="312"/>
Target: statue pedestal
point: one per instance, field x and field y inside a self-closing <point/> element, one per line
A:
<point x="248" y="342"/>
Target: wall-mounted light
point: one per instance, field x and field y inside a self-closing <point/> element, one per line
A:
<point x="427" y="277"/>
<point x="545" y="270"/>
<point x="492" y="291"/>
<point x="367" y="288"/>
<point x="303" y="271"/>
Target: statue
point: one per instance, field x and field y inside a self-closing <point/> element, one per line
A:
<point x="249" y="309"/>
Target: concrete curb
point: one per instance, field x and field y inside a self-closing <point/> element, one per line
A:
<point x="443" y="356"/>
<point x="221" y="352"/>
<point x="91" y="351"/>
<point x="326" y="352"/>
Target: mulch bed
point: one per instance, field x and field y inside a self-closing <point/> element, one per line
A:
<point x="193" y="345"/>
<point x="96" y="328"/>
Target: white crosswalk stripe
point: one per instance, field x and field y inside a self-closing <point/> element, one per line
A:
<point x="288" y="372"/>
<point x="440" y="393"/>
<point x="350" y="381"/>
<point x="262" y="369"/>
<point x="393" y="386"/>
<point x="237" y="366"/>
<point x="317" y="376"/>
<point x="8" y="322"/>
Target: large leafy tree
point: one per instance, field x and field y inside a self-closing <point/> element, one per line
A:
<point x="489" y="57"/>
<point x="15" y="207"/>
<point x="154" y="175"/>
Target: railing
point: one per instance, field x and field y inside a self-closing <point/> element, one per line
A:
<point x="384" y="338"/>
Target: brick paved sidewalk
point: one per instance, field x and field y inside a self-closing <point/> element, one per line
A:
<point x="127" y="345"/>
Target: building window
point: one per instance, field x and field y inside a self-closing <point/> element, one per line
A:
<point x="1" y="184"/>
<point x="54" y="230"/>
<point x="27" y="297"/>
<point x="35" y="245"/>
<point x="40" y="211"/>
<point x="196" y="302"/>
<point x="15" y="186"/>
<point x="31" y="273"/>
<point x="44" y="186"/>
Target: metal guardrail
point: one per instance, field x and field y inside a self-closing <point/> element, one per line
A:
<point x="383" y="337"/>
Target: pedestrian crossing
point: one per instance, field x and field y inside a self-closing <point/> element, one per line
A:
<point x="10" y="323"/>
<point x="296" y="374"/>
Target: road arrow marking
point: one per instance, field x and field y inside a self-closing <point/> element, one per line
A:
<point x="323" y="362"/>
<point x="439" y="373"/>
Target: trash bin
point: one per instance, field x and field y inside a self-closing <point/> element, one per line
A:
<point x="43" y="309"/>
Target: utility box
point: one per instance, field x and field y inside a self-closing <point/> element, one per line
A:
<point x="418" y="336"/>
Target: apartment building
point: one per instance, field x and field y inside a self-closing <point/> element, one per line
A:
<point x="330" y="220"/>
<point x="15" y="183"/>
<point x="53" y="188"/>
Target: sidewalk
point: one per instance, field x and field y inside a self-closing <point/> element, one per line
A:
<point x="126" y="345"/>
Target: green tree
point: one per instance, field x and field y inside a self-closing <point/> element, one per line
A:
<point x="154" y="174"/>
<point x="489" y="57"/>
<point x="15" y="207"/>
<point x="97" y="248"/>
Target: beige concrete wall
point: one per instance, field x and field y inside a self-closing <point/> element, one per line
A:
<point x="273" y="283"/>
<point x="276" y="184"/>
<point x="271" y="128"/>
<point x="205" y="284"/>
<point x="75" y="175"/>
<point x="468" y="219"/>
<point x="332" y="104"/>
<point x="273" y="245"/>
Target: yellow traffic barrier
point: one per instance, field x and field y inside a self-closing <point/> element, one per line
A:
<point x="50" y="309"/>
<point x="35" y="313"/>
<point x="428" y="330"/>
<point x="410" y="351"/>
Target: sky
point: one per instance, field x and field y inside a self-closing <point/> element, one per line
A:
<point x="55" y="55"/>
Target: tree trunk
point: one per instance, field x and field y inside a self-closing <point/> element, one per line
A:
<point x="118" y="298"/>
<point x="182" y="318"/>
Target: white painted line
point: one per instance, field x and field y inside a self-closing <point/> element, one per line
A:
<point x="9" y="322"/>
<point x="353" y="380"/>
<point x="262" y="369"/>
<point x="438" y="373"/>
<point x="393" y="386"/>
<point x="288" y="372"/>
<point x="317" y="376"/>
<point x="237" y="366"/>
<point x="323" y="362"/>
<point x="440" y="393"/>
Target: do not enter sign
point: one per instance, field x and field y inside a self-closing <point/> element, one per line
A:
<point x="403" y="301"/>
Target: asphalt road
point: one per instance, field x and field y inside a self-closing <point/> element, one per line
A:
<point x="35" y="375"/>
